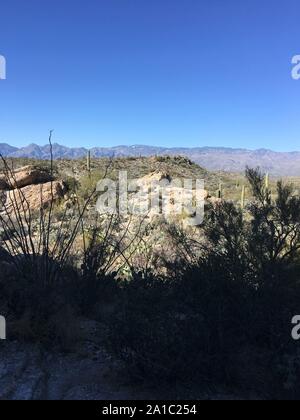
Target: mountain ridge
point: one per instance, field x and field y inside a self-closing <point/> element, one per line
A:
<point x="211" y="158"/>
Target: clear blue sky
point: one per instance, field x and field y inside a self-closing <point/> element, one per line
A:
<point x="159" y="72"/>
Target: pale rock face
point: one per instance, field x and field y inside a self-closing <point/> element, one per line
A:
<point x="155" y="177"/>
<point x="34" y="197"/>
<point x="215" y="201"/>
<point x="22" y="177"/>
<point x="174" y="195"/>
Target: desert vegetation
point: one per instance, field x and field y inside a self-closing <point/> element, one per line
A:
<point x="190" y="312"/>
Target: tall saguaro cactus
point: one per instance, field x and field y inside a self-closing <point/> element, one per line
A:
<point x="243" y="194"/>
<point x="88" y="161"/>
<point x="220" y="190"/>
<point x="267" y="181"/>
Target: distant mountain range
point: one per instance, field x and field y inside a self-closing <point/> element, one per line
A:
<point x="211" y="158"/>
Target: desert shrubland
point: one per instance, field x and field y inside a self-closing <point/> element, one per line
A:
<point x="207" y="308"/>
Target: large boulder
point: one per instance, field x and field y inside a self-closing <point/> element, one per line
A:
<point x="155" y="177"/>
<point x="34" y="197"/>
<point x="22" y="177"/>
<point x="168" y="196"/>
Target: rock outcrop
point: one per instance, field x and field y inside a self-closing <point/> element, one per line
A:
<point x="155" y="177"/>
<point x="29" y="187"/>
<point x="22" y="177"/>
<point x="34" y="197"/>
<point x="168" y="196"/>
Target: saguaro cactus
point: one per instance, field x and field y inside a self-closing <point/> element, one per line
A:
<point x="88" y="161"/>
<point x="220" y="191"/>
<point x="267" y="181"/>
<point x="243" y="194"/>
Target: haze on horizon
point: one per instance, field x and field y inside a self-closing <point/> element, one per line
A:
<point x="168" y="74"/>
<point x="145" y="146"/>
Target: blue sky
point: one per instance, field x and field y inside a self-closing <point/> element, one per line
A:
<point x="159" y="72"/>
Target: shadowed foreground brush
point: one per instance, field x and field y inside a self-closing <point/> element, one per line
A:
<point x="223" y="322"/>
<point x="38" y="249"/>
<point x="30" y="236"/>
<point x="218" y="318"/>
